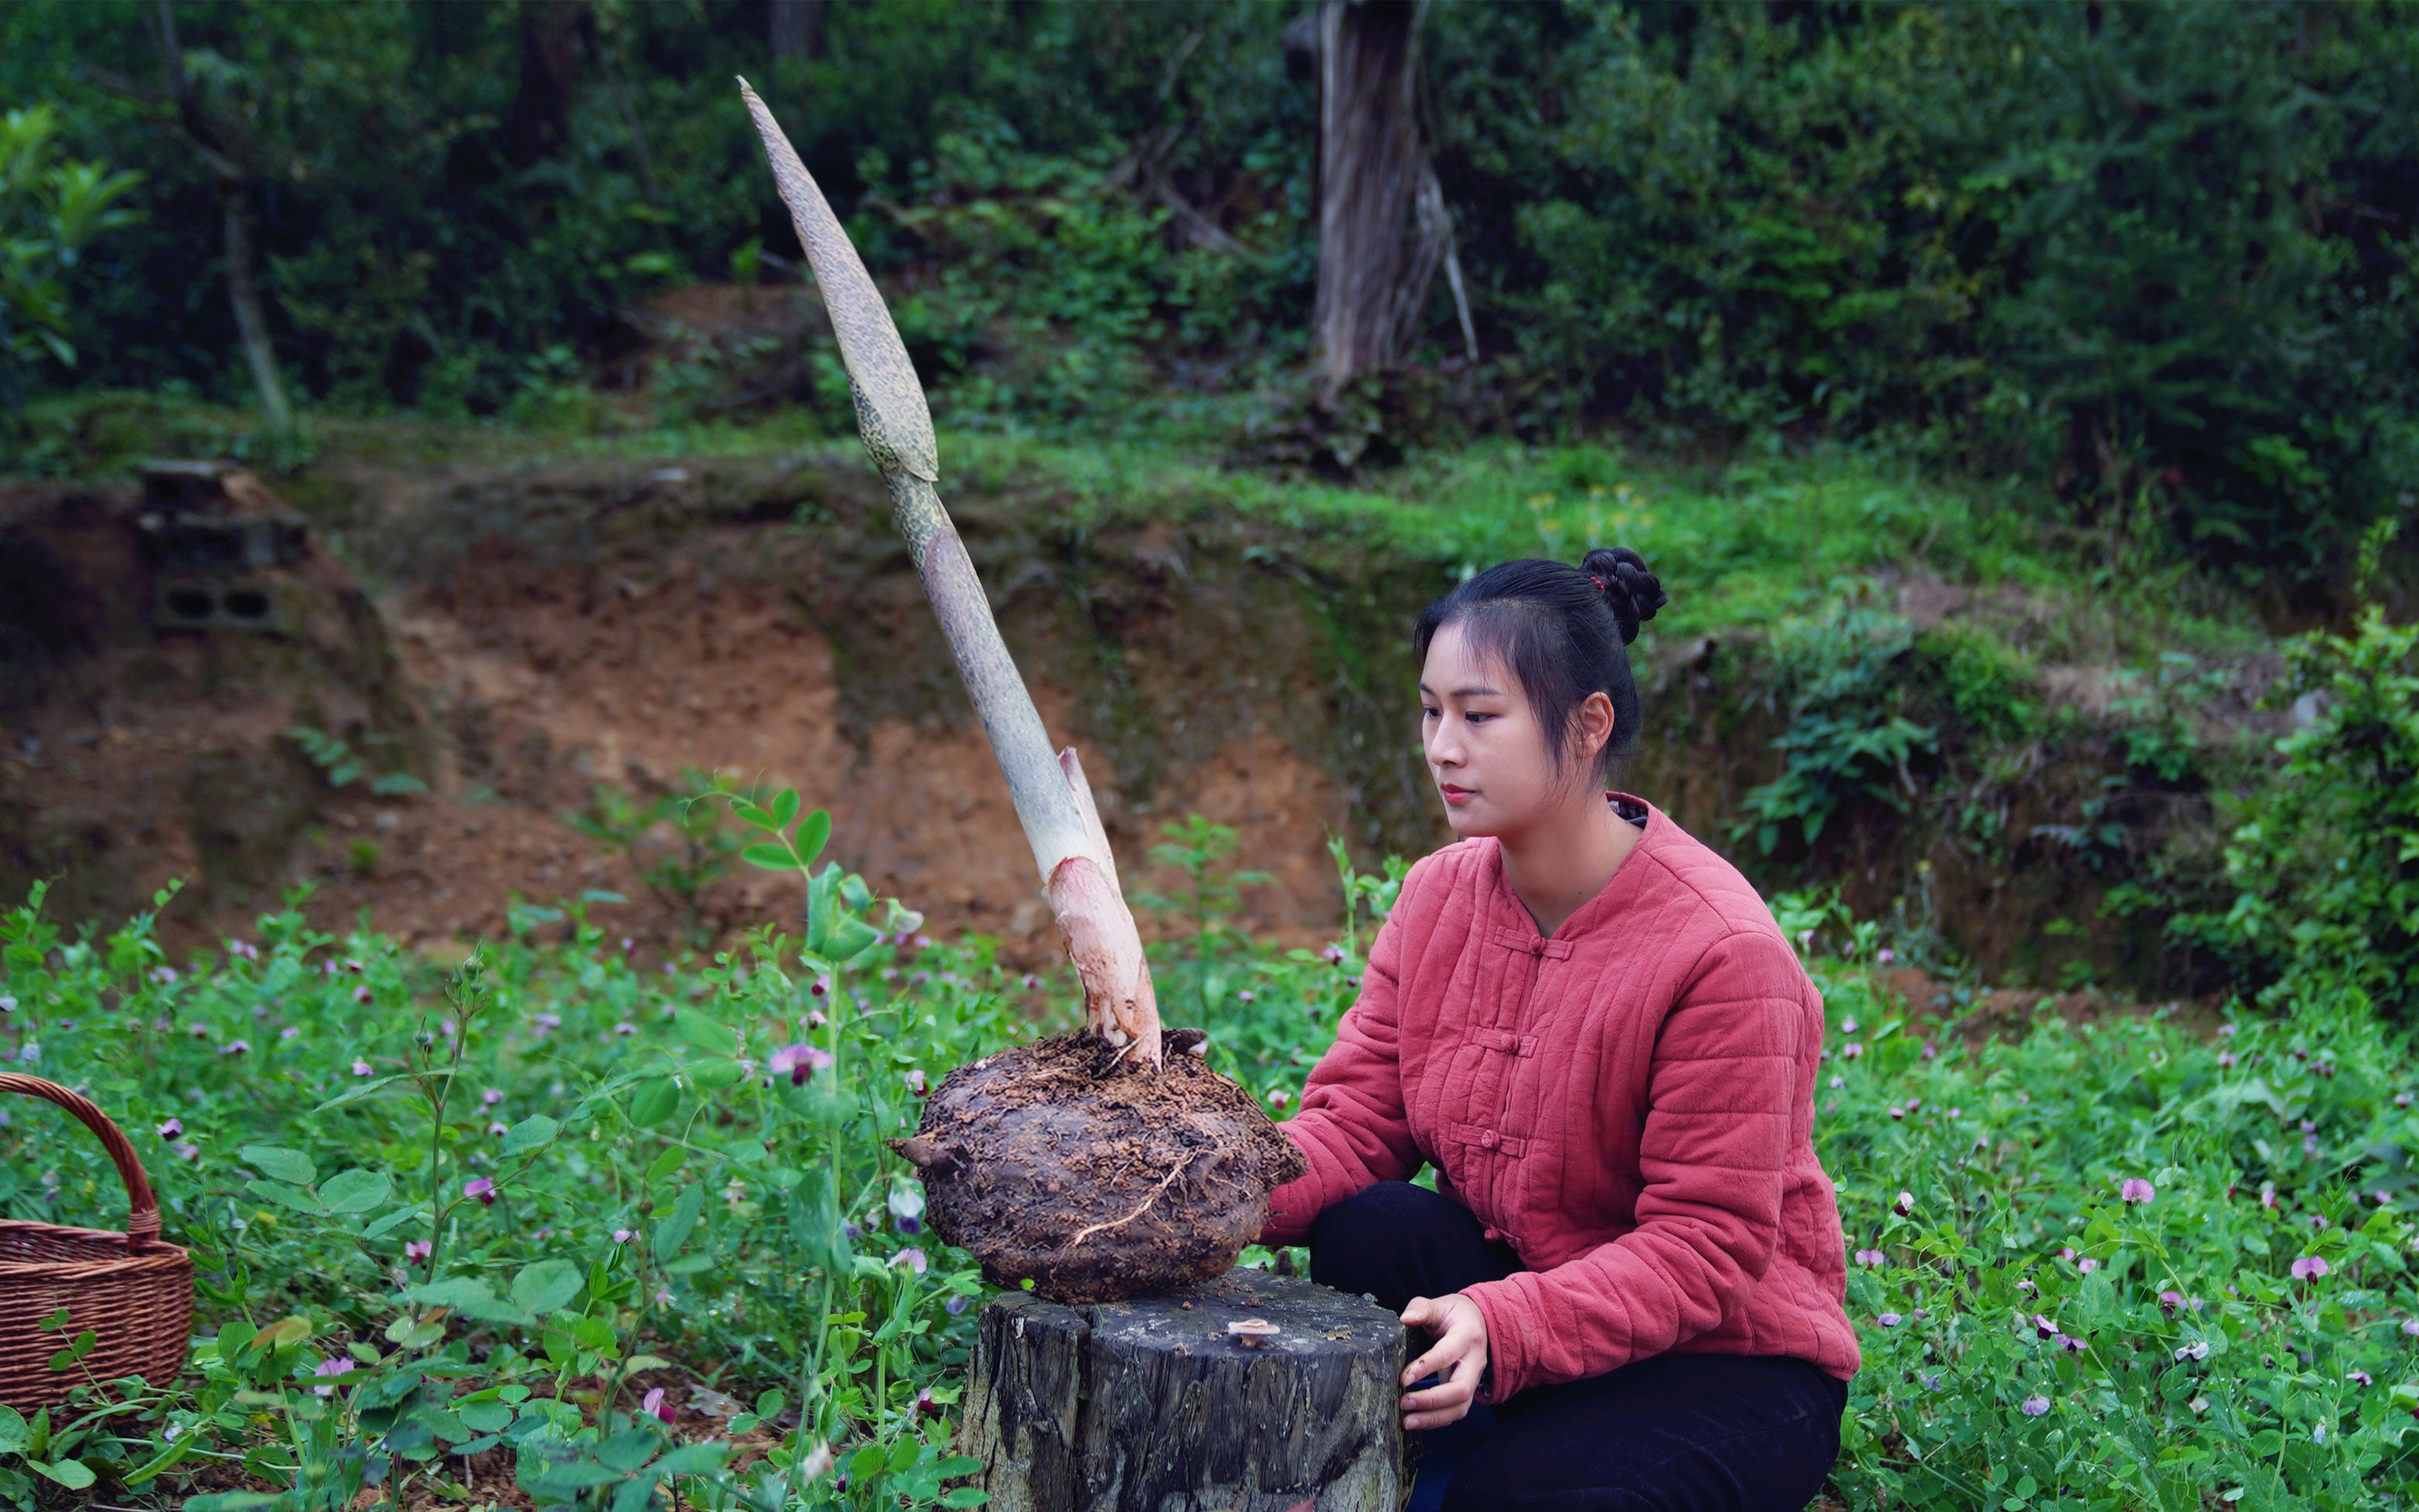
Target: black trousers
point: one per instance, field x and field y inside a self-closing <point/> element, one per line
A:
<point x="1673" y="1432"/>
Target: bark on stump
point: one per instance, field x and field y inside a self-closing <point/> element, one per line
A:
<point x="1148" y="1405"/>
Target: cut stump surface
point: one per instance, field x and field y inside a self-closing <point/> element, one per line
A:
<point x="1152" y="1405"/>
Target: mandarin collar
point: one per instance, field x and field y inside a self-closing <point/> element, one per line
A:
<point x="1609" y="900"/>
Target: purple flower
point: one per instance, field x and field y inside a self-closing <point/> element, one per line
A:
<point x="236" y="1047"/>
<point x="1905" y="1204"/>
<point x="1853" y="1050"/>
<point x="1244" y="995"/>
<point x="1870" y="1257"/>
<point x="362" y="993"/>
<point x="912" y="1259"/>
<point x="2069" y="1343"/>
<point x="1886" y="955"/>
<point x="2034" y="1405"/>
<point x="957" y="1302"/>
<point x="1848" y="1025"/>
<point x="189" y="1151"/>
<point x="2170" y="1301"/>
<point x="1333" y="955"/>
<point x="2360" y="1378"/>
<point x="2196" y="1349"/>
<point x="911" y="1225"/>
<point x="417" y="1249"/>
<point x="626" y="1026"/>
<point x="333" y="1365"/>
<point x="498" y="1128"/>
<point x="851" y="1231"/>
<point x="2087" y="1265"/>
<point x="171" y="1129"/>
<point x="2226" y="1060"/>
<point x="623" y="1235"/>
<point x="652" y="1405"/>
<point x="361" y="1067"/>
<point x="798" y="1062"/>
<point x="2045" y="1327"/>
<point x="2411" y="1327"/>
<point x="2309" y="1268"/>
<point x="1889" y="1319"/>
<point x="482" y="1187"/>
<point x="492" y="1096"/>
<point x="2137" y="1190"/>
<point x="914" y="1079"/>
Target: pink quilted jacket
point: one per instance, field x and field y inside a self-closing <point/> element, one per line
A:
<point x="1629" y="1104"/>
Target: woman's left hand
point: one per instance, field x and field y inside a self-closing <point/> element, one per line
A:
<point x="1459" y="1355"/>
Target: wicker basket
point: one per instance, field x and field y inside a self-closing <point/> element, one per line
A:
<point x="134" y="1290"/>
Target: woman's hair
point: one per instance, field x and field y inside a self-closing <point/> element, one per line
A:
<point x="1564" y="632"/>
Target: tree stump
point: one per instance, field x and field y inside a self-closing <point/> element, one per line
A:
<point x="1151" y="1405"/>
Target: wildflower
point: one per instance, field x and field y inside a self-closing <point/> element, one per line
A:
<point x="2309" y="1268"/>
<point x="1839" y="1081"/>
<point x="2381" y="1197"/>
<point x="1853" y="1050"/>
<point x="2309" y="1144"/>
<point x="851" y="1231"/>
<point x="909" y="920"/>
<point x="2267" y="1194"/>
<point x="289" y="1032"/>
<point x="914" y="1079"/>
<point x="814" y="1019"/>
<point x="498" y="1128"/>
<point x="1927" y="1052"/>
<point x="171" y="1129"/>
<point x="482" y="1187"/>
<point x="819" y="1459"/>
<point x="626" y="1027"/>
<point x="2196" y="1349"/>
<point x="663" y="1296"/>
<point x="923" y="942"/>
<point x="652" y="1405"/>
<point x="2069" y="1343"/>
<point x="1870" y="1257"/>
<point x="2045" y="1328"/>
<point x="236" y="1047"/>
<point x="1884" y="955"/>
<point x="2225" y="1060"/>
<point x="1848" y="1025"/>
<point x="2087" y="1265"/>
<point x="2411" y="1327"/>
<point x="1245" y="995"/>
<point x="2226" y="1031"/>
<point x="2034" y="1405"/>
<point x="1905" y="1204"/>
<point x="492" y="1096"/>
<point x="189" y="1151"/>
<point x="623" y="1235"/>
<point x="168" y="1434"/>
<point x="547" y="1024"/>
<point x="361" y="1067"/>
<point x="2137" y="1190"/>
<point x="7" y="1003"/>
<point x="957" y="1302"/>
<point x="2360" y="1378"/>
<point x="1333" y="955"/>
<point x="1897" y="1112"/>
<point x="1031" y="982"/>
<point x="2170" y="1301"/>
<point x="163" y="974"/>
<point x="334" y="1366"/>
<point x="1280" y="1098"/>
<point x="2027" y="1286"/>
<point x="2066" y="1252"/>
<point x="912" y="1259"/>
<point x="1805" y="940"/>
<point x="798" y="1062"/>
<point x="2401" y="1100"/>
<point x="735" y="1193"/>
<point x="1889" y="1319"/>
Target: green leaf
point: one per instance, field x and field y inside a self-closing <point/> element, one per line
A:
<point x="751" y="815"/>
<point x="673" y="1230"/>
<point x="770" y="856"/>
<point x="578" y="1477"/>
<point x="850" y="937"/>
<point x="653" y="1102"/>
<point x="691" y="1460"/>
<point x="904" y="1456"/>
<point x="13" y="1435"/>
<point x="472" y="1299"/>
<point x="289" y="1197"/>
<point x="488" y="1417"/>
<point x="956" y="1465"/>
<point x="705" y="1033"/>
<point x="715" y="1075"/>
<point x="812" y="832"/>
<point x="285" y="1164"/>
<point x="392" y="1222"/>
<point x="544" y="1286"/>
<point x="867" y="1461"/>
<point x="355" y="1191"/>
<point x="785" y="806"/>
<point x="966" y="1496"/>
<point x="531" y="1133"/>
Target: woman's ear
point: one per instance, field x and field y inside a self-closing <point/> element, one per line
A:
<point x="1595" y="724"/>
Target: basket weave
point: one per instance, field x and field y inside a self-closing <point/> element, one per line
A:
<point x="134" y="1290"/>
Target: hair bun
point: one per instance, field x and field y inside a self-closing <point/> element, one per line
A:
<point x="1628" y="587"/>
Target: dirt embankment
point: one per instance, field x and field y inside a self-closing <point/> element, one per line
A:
<point x="512" y="644"/>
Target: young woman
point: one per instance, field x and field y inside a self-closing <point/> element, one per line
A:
<point x="1633" y="1266"/>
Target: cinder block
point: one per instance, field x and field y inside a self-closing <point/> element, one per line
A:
<point x="224" y="602"/>
<point x="171" y="487"/>
<point x="226" y="543"/>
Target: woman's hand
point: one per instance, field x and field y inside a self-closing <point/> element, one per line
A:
<point x="1459" y="1355"/>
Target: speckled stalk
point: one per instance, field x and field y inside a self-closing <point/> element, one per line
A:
<point x="1053" y="801"/>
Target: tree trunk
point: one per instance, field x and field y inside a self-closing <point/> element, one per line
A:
<point x="540" y="122"/>
<point x="1376" y="256"/>
<point x="1149" y="1404"/>
<point x="244" y="296"/>
<point x="797" y="27"/>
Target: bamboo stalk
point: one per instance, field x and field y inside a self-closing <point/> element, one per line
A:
<point x="1053" y="800"/>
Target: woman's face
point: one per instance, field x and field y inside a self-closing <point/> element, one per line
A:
<point x="1482" y="740"/>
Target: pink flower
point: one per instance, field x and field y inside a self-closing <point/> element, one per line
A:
<point x="914" y="1079"/>
<point x="2309" y="1268"/>
<point x="2411" y="1327"/>
<point x="333" y="1365"/>
<point x="418" y="1249"/>
<point x="1870" y="1257"/>
<point x="362" y="993"/>
<point x="912" y="1259"/>
<point x="2268" y="1193"/>
<point x="1848" y="1025"/>
<point x="2225" y="1060"/>
<point x="361" y="1067"/>
<point x="498" y="1128"/>
<point x="821" y="986"/>
<point x="2034" y="1405"/>
<point x="1853" y="1050"/>
<point x="652" y="1405"/>
<point x="236" y="1047"/>
<point x="1884" y="955"/>
<point x="2069" y="1343"/>
<point x="798" y="1062"/>
<point x="2087" y="1265"/>
<point x="814" y="1019"/>
<point x="1905" y="1204"/>
<point x="623" y="1235"/>
<point x="1927" y="1051"/>
<point x="626" y="1026"/>
<point x="2137" y="1190"/>
<point x="492" y="1096"/>
<point x="171" y="1129"/>
<point x="2196" y="1349"/>
<point x="2359" y="1376"/>
<point x="925" y="1406"/>
<point x="1280" y="1098"/>
<point x="1245" y="995"/>
<point x="2170" y="1301"/>
<point x="1889" y="1319"/>
<point x="2047" y="1329"/>
<point x="2066" y="1252"/>
<point x="189" y="1151"/>
<point x="482" y="1187"/>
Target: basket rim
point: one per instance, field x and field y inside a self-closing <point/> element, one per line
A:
<point x="142" y="1206"/>
<point x="159" y="1255"/>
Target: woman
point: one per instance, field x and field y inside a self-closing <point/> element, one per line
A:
<point x="1632" y="1265"/>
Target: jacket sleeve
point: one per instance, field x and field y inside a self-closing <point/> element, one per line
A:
<point x="1352" y="1127"/>
<point x="1710" y="1155"/>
